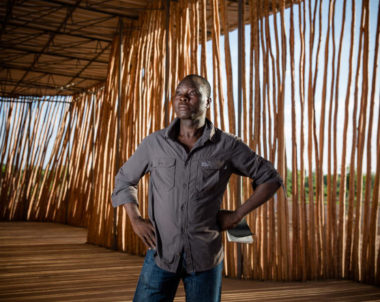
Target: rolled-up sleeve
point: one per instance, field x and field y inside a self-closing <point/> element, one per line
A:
<point x="246" y="162"/>
<point x="129" y="175"/>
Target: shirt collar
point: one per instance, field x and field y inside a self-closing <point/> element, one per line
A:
<point x="208" y="132"/>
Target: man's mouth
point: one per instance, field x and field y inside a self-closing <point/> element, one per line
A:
<point x="183" y="108"/>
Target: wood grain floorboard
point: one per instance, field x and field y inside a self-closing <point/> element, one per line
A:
<point x="41" y="261"/>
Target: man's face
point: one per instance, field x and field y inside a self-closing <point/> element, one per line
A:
<point x="189" y="101"/>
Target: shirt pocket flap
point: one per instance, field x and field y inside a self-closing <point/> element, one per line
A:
<point x="163" y="162"/>
<point x="211" y="164"/>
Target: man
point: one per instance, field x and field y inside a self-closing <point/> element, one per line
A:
<point x="190" y="163"/>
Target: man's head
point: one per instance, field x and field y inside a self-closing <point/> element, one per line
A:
<point x="192" y="97"/>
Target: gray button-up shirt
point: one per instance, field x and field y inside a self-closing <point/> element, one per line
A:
<point x="186" y="190"/>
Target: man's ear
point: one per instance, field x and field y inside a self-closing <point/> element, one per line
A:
<point x="208" y="101"/>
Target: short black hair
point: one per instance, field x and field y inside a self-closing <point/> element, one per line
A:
<point x="201" y="81"/>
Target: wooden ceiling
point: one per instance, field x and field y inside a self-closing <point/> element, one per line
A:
<point x="59" y="46"/>
<point x="62" y="47"/>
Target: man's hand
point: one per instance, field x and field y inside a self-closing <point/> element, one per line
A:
<point x="142" y="227"/>
<point x="145" y="230"/>
<point x="227" y="219"/>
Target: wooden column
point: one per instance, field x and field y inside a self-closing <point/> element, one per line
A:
<point x="27" y="165"/>
<point x="68" y="164"/>
<point x="167" y="62"/>
<point x="118" y="126"/>
<point x="239" y="132"/>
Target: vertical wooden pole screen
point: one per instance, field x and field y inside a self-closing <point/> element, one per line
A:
<point x="310" y="104"/>
<point x="45" y="150"/>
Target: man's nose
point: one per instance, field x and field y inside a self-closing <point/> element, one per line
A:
<point x="183" y="98"/>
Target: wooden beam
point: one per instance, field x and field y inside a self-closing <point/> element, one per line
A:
<point x="54" y="54"/>
<point x="27" y="100"/>
<point x="93" y="9"/>
<point x="56" y="32"/>
<point x="12" y="66"/>
<point x="28" y="84"/>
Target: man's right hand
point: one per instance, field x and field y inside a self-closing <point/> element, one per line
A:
<point x="142" y="227"/>
<point x="145" y="230"/>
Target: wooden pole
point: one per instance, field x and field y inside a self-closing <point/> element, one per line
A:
<point x="239" y="101"/>
<point x="167" y="61"/>
<point x="118" y="127"/>
<point x="67" y="164"/>
<point x="27" y="165"/>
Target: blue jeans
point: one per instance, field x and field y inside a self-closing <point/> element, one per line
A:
<point x="156" y="284"/>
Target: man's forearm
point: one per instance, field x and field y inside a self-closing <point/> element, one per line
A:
<point x="132" y="211"/>
<point x="229" y="219"/>
<point x="262" y="193"/>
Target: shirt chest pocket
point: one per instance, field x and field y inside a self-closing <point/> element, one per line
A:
<point x="208" y="174"/>
<point x="163" y="173"/>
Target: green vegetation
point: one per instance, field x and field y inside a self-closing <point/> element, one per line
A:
<point x="288" y="181"/>
<point x="307" y="185"/>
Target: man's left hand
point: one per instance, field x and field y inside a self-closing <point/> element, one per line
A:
<point x="227" y="219"/>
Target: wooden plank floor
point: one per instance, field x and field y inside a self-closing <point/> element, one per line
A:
<point x="52" y="262"/>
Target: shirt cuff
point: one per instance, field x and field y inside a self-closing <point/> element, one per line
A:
<point x="123" y="197"/>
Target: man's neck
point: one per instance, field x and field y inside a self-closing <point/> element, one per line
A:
<point x="189" y="129"/>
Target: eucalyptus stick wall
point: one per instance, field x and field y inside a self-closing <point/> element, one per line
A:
<point x="47" y="153"/>
<point x="313" y="236"/>
<point x="325" y="229"/>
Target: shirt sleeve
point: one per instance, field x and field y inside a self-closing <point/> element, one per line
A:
<point x="246" y="162"/>
<point x="129" y="175"/>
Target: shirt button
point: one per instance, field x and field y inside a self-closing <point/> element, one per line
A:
<point x="182" y="207"/>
